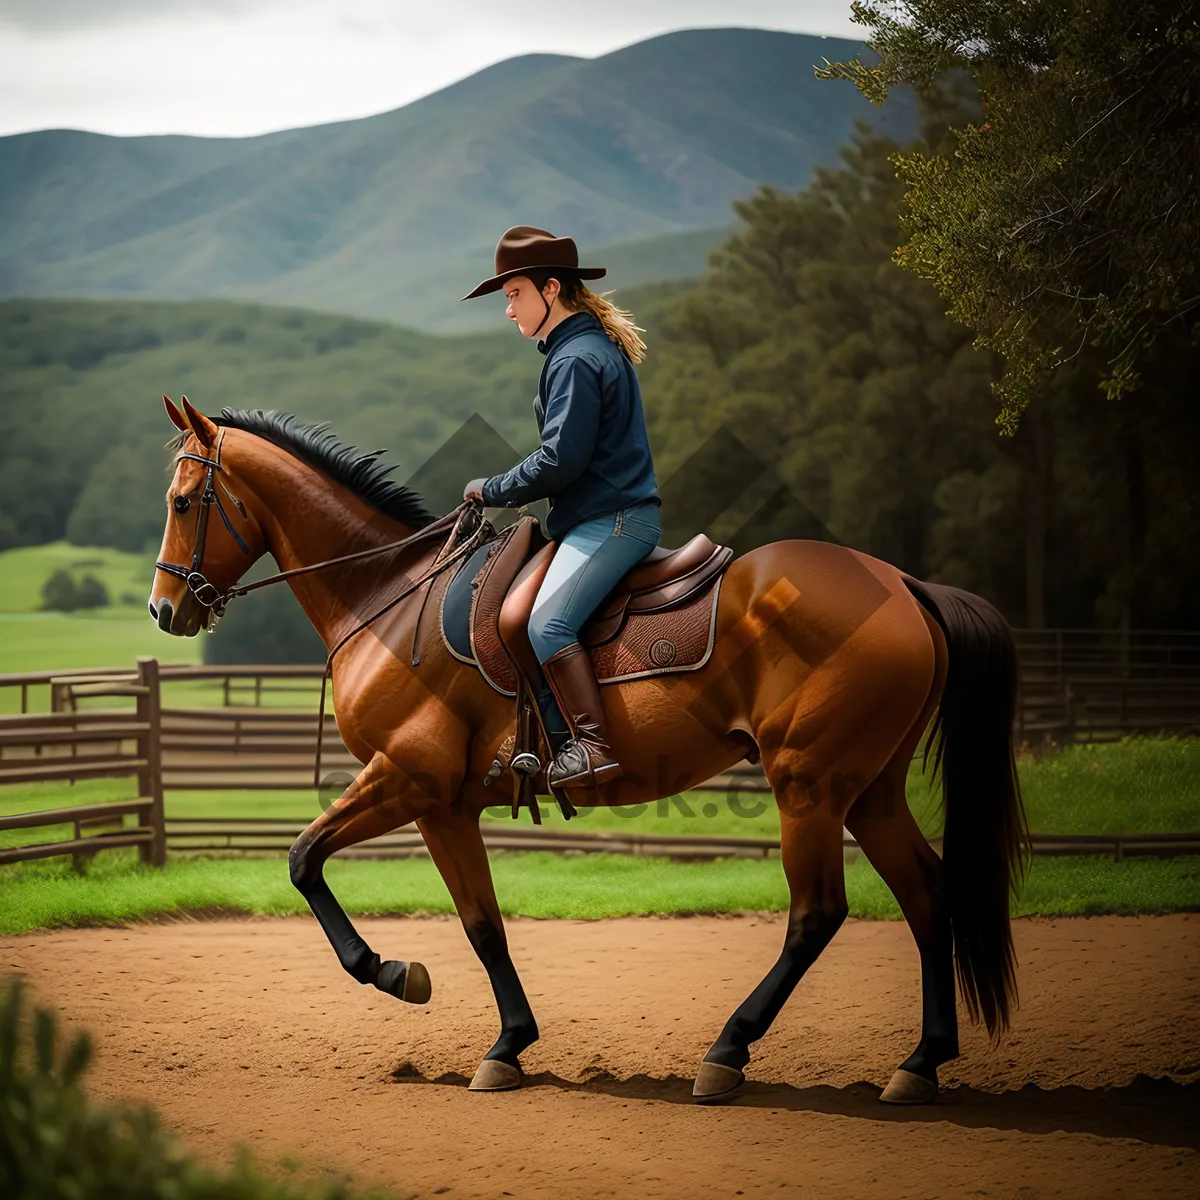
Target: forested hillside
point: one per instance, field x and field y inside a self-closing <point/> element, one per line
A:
<point x="82" y="423"/>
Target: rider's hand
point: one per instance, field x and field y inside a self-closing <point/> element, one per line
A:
<point x="474" y="490"/>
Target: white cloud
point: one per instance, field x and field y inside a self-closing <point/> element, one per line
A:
<point x="238" y="67"/>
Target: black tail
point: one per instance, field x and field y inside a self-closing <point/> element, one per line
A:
<point x="985" y="839"/>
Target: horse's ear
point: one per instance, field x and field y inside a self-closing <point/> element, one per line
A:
<point x="177" y="418"/>
<point x="201" y="426"/>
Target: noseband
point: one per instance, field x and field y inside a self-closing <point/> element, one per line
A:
<point x="207" y="594"/>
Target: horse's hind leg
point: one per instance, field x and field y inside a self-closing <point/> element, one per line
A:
<point x="811" y="849"/>
<point x="376" y="803"/>
<point x="885" y="830"/>
<point x="837" y="730"/>
<point x="883" y="827"/>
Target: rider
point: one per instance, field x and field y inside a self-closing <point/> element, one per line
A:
<point x="593" y="463"/>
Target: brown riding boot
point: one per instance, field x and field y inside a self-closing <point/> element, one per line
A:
<point x="587" y="758"/>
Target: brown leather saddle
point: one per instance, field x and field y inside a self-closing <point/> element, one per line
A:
<point x="660" y="618"/>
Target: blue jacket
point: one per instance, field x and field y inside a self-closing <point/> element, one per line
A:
<point x="595" y="453"/>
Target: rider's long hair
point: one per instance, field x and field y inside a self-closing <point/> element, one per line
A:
<point x="618" y="323"/>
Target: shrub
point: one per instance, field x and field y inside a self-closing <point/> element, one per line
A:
<point x="60" y="593"/>
<point x="56" y="1143"/>
<point x="92" y="593"/>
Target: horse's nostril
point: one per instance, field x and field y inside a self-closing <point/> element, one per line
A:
<point x="165" y="613"/>
<point x="150" y="606"/>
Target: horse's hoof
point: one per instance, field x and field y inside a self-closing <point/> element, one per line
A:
<point x="495" y="1076"/>
<point x="406" y="981"/>
<point x="716" y="1082"/>
<point x="907" y="1088"/>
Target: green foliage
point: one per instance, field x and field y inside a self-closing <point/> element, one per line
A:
<point x="871" y="416"/>
<point x="92" y="593"/>
<point x="265" y="627"/>
<point x="841" y="374"/>
<point x="62" y="593"/>
<point x="121" y="502"/>
<point x="1066" y="222"/>
<point x="57" y="1144"/>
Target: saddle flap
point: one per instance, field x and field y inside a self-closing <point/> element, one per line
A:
<point x="491" y="587"/>
<point x="513" y="622"/>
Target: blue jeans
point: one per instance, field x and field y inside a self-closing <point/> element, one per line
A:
<point x="588" y="563"/>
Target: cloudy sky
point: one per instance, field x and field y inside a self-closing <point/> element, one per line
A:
<point x="234" y="67"/>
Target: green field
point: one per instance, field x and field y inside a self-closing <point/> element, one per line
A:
<point x="24" y="569"/>
<point x="114" y="636"/>
<point x="107" y="637"/>
<point x="540" y="884"/>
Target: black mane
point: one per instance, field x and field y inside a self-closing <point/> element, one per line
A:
<point x="363" y="474"/>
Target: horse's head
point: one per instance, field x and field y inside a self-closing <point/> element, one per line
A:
<point x="210" y="539"/>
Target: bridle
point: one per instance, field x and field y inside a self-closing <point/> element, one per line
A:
<point x="206" y="593"/>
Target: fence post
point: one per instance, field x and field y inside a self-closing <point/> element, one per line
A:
<point x="1070" y="714"/>
<point x="150" y="749"/>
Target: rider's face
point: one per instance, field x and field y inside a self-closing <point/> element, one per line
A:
<point x="525" y="303"/>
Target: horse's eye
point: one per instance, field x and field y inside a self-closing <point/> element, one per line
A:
<point x="182" y="504"/>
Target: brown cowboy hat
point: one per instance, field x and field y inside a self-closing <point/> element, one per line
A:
<point x="524" y="248"/>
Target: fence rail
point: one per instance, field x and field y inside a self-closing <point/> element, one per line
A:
<point x="261" y="835"/>
<point x="1075" y="685"/>
<point x="71" y="745"/>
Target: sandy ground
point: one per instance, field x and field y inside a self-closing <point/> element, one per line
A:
<point x="247" y="1031"/>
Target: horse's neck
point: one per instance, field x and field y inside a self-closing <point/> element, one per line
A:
<point x="307" y="518"/>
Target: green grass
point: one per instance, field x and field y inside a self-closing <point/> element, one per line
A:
<point x="117" y="889"/>
<point x="1139" y="785"/>
<point x="107" y="637"/>
<point x="31" y="640"/>
<point x="25" y="569"/>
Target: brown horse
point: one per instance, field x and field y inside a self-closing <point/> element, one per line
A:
<point x="828" y="662"/>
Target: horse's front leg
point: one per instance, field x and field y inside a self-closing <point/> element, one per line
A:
<point x="380" y="800"/>
<point x="456" y="845"/>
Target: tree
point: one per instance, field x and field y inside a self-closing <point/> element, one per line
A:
<point x="92" y="593"/>
<point x="60" y="593"/>
<point x="1069" y="217"/>
<point x="121" y="503"/>
<point x="840" y="373"/>
<point x="838" y="394"/>
<point x="264" y="627"/>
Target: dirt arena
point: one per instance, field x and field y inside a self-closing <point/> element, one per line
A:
<point x="248" y="1031"/>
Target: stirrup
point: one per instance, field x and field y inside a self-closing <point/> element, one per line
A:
<point x="569" y="759"/>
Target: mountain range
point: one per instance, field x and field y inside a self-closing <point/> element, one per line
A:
<point x="637" y="154"/>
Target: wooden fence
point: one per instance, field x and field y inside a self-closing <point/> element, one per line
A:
<point x="1075" y="685"/>
<point x="66" y="745"/>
